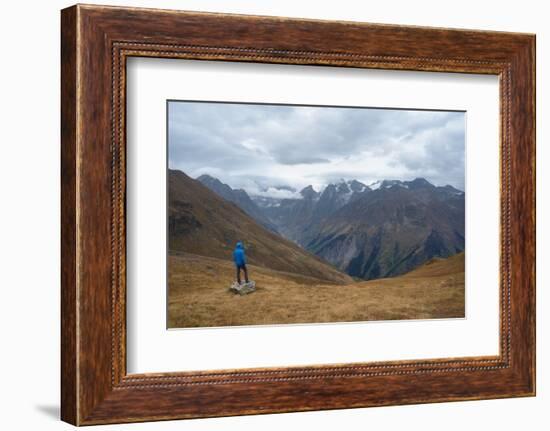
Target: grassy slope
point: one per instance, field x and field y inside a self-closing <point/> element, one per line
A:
<point x="198" y="295"/>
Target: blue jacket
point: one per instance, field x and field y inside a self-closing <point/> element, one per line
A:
<point x="238" y="255"/>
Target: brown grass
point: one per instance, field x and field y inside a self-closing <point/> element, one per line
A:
<point x="199" y="296"/>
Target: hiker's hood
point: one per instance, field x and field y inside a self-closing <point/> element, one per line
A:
<point x="239" y="245"/>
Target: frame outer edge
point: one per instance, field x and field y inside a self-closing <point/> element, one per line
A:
<point x="530" y="82"/>
<point x="69" y="411"/>
<point x="532" y="100"/>
<point x="523" y="178"/>
<point x="533" y="53"/>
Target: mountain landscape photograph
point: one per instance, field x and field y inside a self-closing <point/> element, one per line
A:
<point x="291" y="214"/>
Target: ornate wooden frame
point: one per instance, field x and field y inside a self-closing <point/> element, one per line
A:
<point x="95" y="42"/>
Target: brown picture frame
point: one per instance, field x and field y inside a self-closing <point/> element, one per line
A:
<point x="95" y="43"/>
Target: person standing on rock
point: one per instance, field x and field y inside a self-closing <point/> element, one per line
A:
<point x="240" y="262"/>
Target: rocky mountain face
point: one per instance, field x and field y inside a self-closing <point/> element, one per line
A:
<point x="293" y="217"/>
<point x="391" y="230"/>
<point x="381" y="230"/>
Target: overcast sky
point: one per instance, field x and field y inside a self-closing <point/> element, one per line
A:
<point x="260" y="147"/>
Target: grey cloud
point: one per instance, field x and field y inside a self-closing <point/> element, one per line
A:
<point x="287" y="142"/>
<point x="291" y="159"/>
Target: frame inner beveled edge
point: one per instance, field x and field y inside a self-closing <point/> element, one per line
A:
<point x="123" y="49"/>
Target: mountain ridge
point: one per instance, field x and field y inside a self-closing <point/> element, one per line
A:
<point x="383" y="229"/>
<point x="239" y="197"/>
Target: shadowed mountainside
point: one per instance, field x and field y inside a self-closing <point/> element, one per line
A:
<point x="390" y="231"/>
<point x="203" y="223"/>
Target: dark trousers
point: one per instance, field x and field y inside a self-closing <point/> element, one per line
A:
<point x="243" y="267"/>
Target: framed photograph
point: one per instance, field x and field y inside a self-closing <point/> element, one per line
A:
<point x="241" y="199"/>
<point x="264" y="214"/>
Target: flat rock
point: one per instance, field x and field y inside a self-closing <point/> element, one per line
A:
<point x="243" y="288"/>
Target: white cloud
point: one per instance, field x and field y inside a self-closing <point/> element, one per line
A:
<point x="272" y="192"/>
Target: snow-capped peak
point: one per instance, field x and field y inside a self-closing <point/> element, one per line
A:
<point x="376" y="185"/>
<point x="387" y="184"/>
